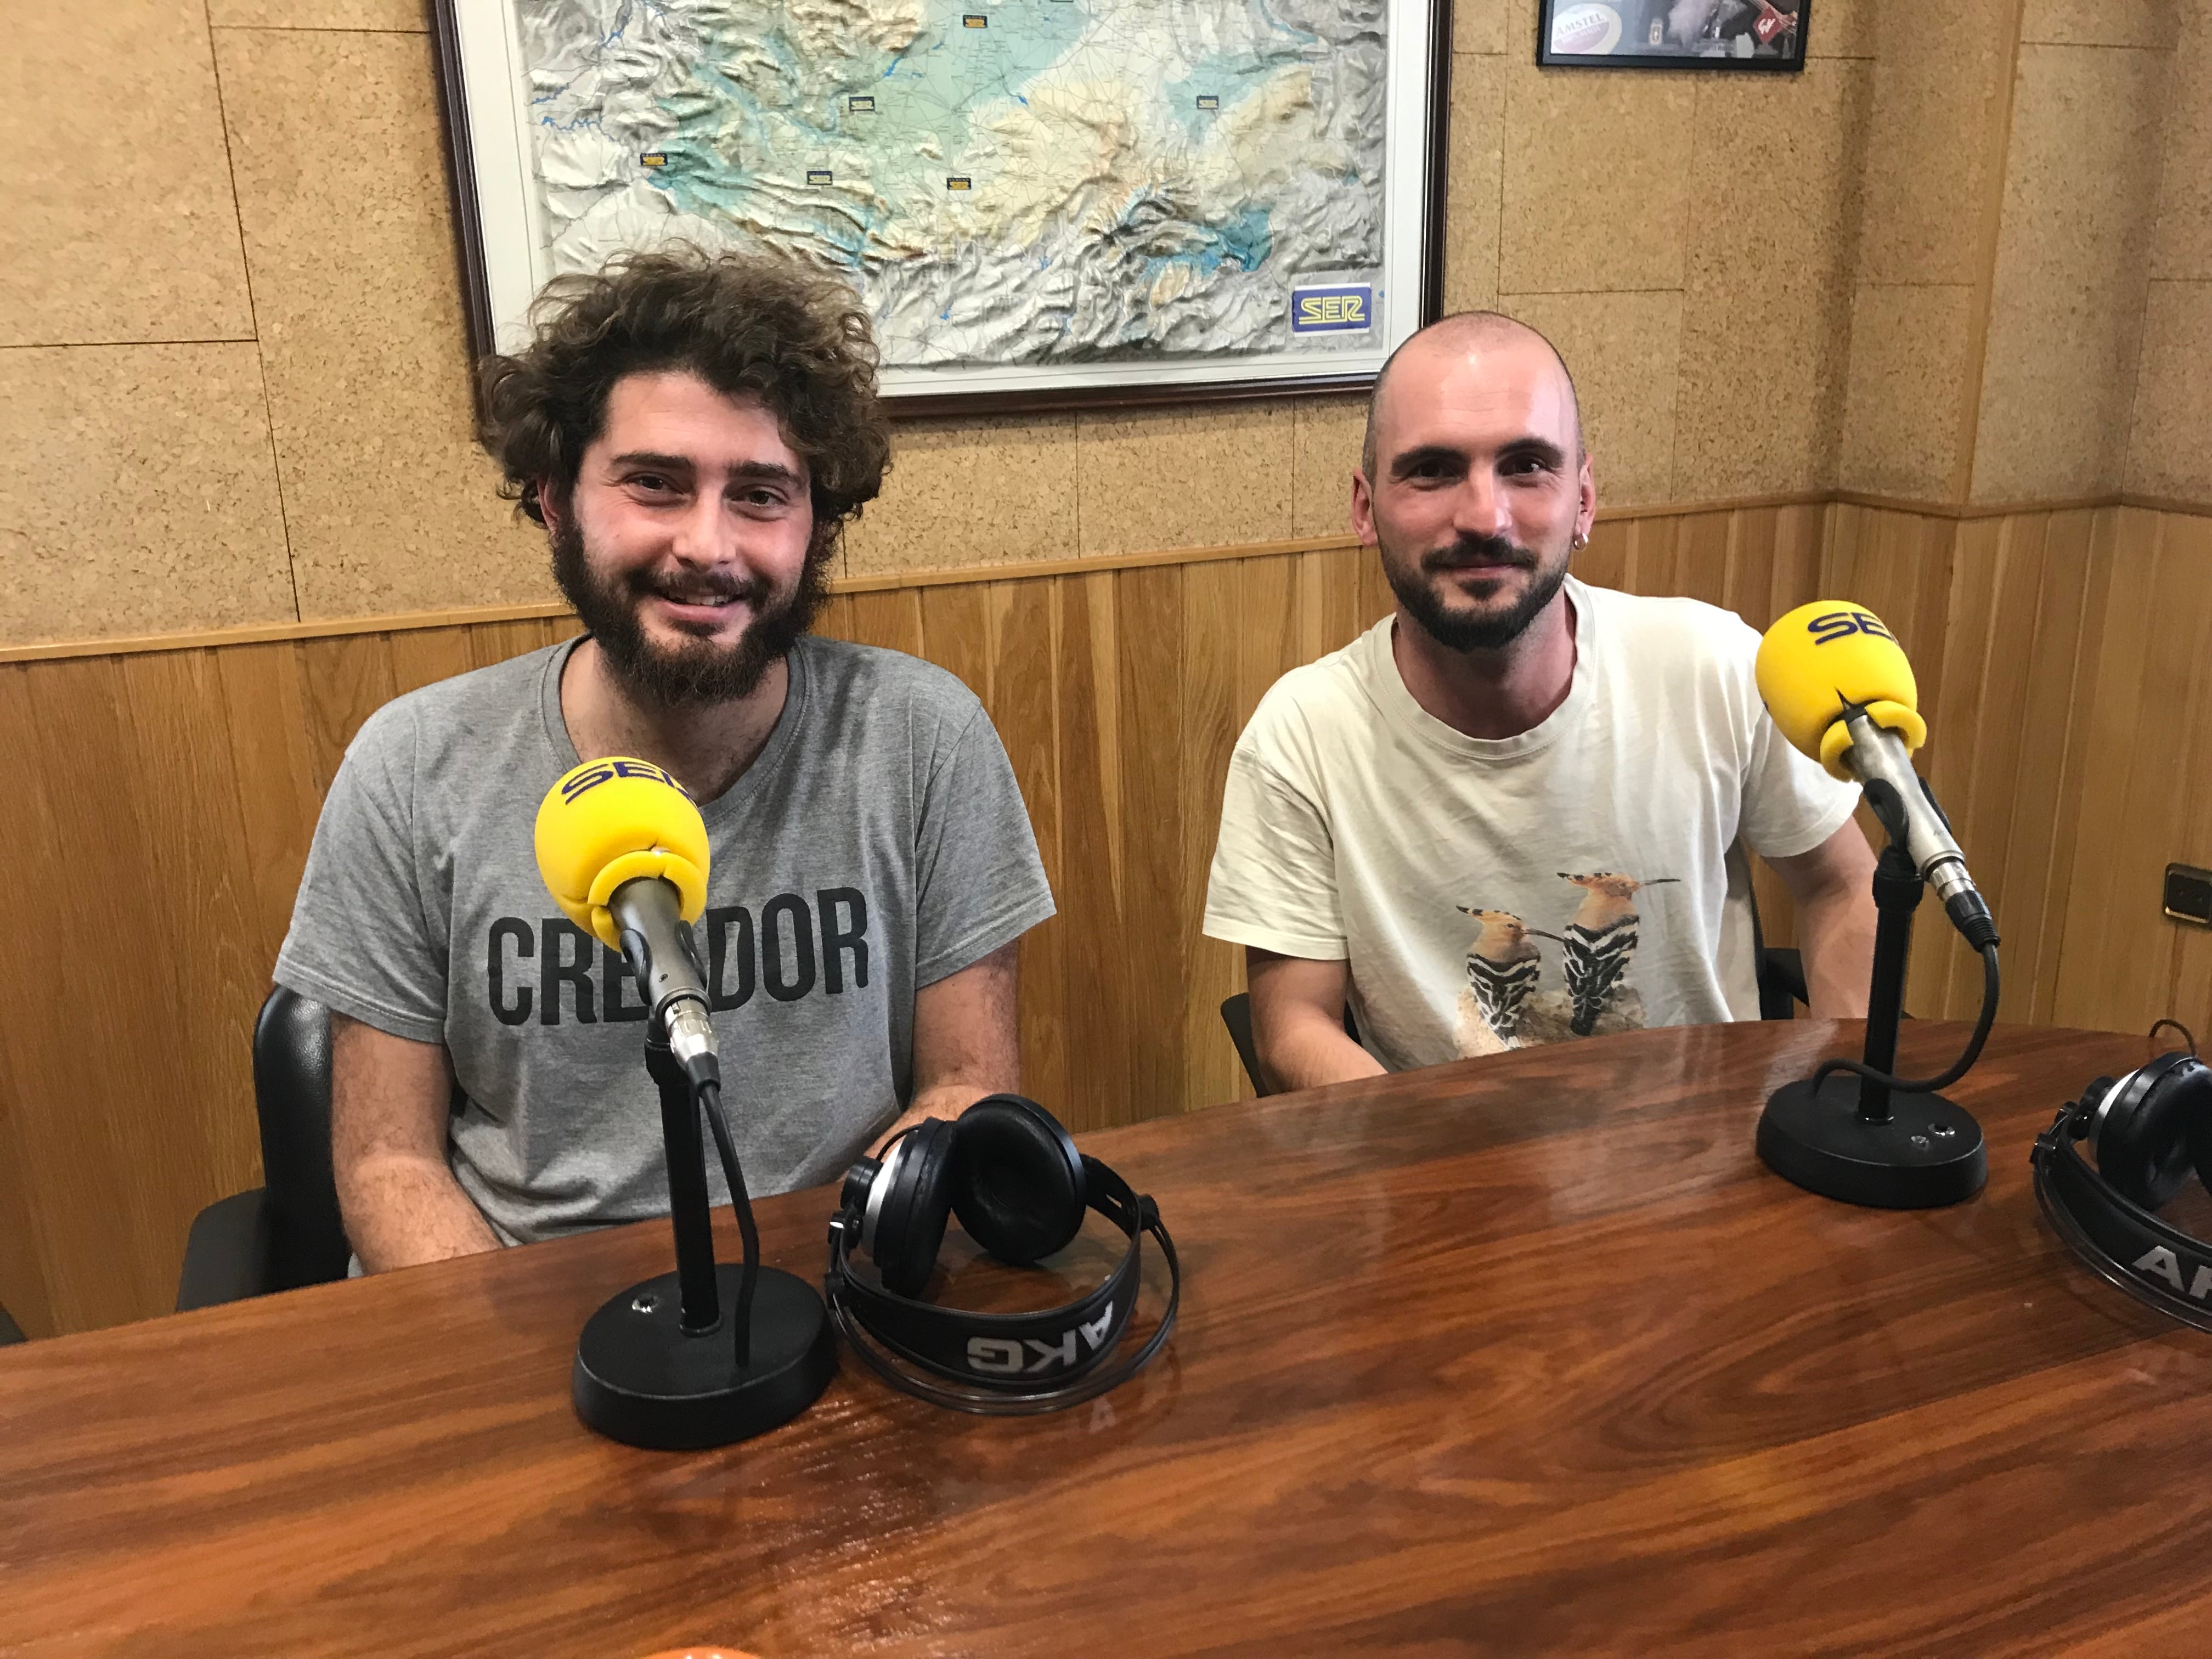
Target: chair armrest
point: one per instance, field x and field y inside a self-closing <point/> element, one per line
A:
<point x="226" y="1256"/>
<point x="1237" y="1015"/>
<point x="1781" y="983"/>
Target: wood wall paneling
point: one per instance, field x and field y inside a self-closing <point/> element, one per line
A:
<point x="171" y="797"/>
<point x="2142" y="800"/>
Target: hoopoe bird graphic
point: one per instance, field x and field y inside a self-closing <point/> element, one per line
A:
<point x="1503" y="965"/>
<point x="1600" y="941"/>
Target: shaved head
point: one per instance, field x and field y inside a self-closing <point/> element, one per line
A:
<point x="1465" y="333"/>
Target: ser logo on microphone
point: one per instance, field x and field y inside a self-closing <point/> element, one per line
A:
<point x="581" y="783"/>
<point x="1834" y="625"/>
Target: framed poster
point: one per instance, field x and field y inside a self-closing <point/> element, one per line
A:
<point x="1729" y="35"/>
<point x="1042" y="203"/>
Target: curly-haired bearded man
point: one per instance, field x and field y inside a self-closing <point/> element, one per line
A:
<point x="693" y="433"/>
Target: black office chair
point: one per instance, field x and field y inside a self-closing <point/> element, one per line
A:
<point x="286" y="1232"/>
<point x="1781" y="969"/>
<point x="1781" y="983"/>
<point x="10" y="1332"/>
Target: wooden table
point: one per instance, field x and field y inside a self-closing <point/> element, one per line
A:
<point x="1524" y="1356"/>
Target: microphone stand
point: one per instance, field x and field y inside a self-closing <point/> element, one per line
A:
<point x="659" y="1365"/>
<point x="1857" y="1139"/>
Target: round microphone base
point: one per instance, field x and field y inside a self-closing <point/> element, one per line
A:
<point x="641" y="1379"/>
<point x="1929" y="1154"/>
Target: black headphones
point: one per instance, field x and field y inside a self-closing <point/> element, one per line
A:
<point x="2146" y="1131"/>
<point x="1013" y="1175"/>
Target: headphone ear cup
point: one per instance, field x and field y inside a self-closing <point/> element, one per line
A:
<point x="2196" y="1108"/>
<point x="910" y="1226"/>
<point x="2152" y="1131"/>
<point x="1018" y="1186"/>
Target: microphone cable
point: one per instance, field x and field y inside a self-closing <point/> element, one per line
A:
<point x="709" y="1094"/>
<point x="1906" y="1086"/>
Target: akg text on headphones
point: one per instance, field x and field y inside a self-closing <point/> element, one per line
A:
<point x="1013" y="1176"/>
<point x="2146" y="1131"/>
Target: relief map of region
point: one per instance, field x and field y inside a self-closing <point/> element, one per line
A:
<point x="1015" y="182"/>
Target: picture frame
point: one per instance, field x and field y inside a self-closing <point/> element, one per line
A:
<point x="1320" y="327"/>
<point x="1757" y="36"/>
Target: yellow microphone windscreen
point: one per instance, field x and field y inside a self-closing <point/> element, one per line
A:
<point x="609" y="821"/>
<point x="1822" y="659"/>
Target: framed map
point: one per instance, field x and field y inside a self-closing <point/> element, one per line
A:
<point x="1042" y="203"/>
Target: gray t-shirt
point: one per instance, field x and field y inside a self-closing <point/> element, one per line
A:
<point x="878" y="844"/>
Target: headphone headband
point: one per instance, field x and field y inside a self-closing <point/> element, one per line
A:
<point x="1011" y="1362"/>
<point x="2118" y="1238"/>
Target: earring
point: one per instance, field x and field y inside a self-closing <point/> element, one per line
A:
<point x="1578" y="543"/>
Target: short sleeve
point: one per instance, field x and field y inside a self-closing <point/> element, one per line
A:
<point x="358" y="940"/>
<point x="1274" y="881"/>
<point x="1790" y="804"/>
<point x="979" y="882"/>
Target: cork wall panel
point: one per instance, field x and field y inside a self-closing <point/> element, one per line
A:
<point x="120" y="224"/>
<point x="1624" y="352"/>
<point x="335" y="144"/>
<point x="2170" y="445"/>
<point x="1902" y="425"/>
<point x="2151" y="24"/>
<point x="409" y="16"/>
<point x="2066" y="303"/>
<point x="971" y="492"/>
<point x="1474" y="179"/>
<point x="1492" y="26"/>
<point x="1766" y="308"/>
<point x="2167" y="451"/>
<point x="1643" y="191"/>
<point x="137" y="493"/>
<point x="2182" y="248"/>
<point x="1933" y="148"/>
<point x="1842" y="28"/>
<point x="1208" y="475"/>
<point x="1595" y="191"/>
<point x="1327" y="433"/>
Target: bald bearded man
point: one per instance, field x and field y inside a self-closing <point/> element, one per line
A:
<point x="1504" y="814"/>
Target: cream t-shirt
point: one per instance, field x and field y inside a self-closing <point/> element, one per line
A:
<point x="1492" y="894"/>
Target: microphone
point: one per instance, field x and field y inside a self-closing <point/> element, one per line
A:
<point x="1836" y="682"/>
<point x="623" y="851"/>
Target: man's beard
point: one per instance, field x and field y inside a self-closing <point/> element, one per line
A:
<point x="1456" y="630"/>
<point x="698" y="672"/>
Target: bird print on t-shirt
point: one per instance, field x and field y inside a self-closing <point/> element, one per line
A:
<point x="1600" y="941"/>
<point x="1503" y="966"/>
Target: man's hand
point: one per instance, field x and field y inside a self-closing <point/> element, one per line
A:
<point x="1833" y="888"/>
<point x="1297" y="1022"/>
<point x="389" y="1102"/>
<point x="967" y="1042"/>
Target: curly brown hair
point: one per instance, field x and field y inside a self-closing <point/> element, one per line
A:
<point x="763" y="325"/>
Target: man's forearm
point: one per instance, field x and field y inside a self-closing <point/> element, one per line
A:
<point x="402" y="1212"/>
<point x="943" y="1100"/>
<point x="1837" y="952"/>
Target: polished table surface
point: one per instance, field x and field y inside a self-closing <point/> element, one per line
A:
<point x="1522" y="1356"/>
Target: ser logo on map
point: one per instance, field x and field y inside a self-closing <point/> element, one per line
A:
<point x="1348" y="309"/>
